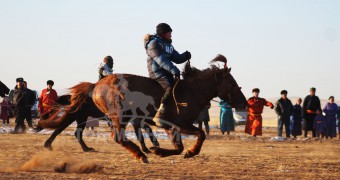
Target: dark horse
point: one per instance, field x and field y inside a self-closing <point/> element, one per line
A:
<point x="73" y="112"/>
<point x="114" y="94"/>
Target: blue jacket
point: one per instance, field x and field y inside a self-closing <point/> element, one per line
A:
<point x="161" y="55"/>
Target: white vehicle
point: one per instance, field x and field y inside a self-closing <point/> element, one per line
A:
<point x="240" y="116"/>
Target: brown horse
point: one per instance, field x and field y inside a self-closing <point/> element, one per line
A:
<point x="73" y="112"/>
<point x="118" y="94"/>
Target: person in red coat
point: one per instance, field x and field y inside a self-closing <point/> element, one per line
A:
<point x="48" y="98"/>
<point x="255" y="108"/>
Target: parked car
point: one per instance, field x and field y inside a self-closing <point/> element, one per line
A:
<point x="34" y="109"/>
<point x="240" y="116"/>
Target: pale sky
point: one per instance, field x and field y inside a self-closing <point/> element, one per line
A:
<point x="272" y="45"/>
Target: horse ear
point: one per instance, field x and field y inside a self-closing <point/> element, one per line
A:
<point x="229" y="69"/>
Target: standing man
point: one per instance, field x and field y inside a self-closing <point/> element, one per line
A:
<point x="30" y="100"/>
<point x="311" y="103"/>
<point x="255" y="109"/>
<point x="338" y="117"/>
<point x="161" y="56"/>
<point x="283" y="109"/>
<point x="19" y="101"/>
<point x="48" y="98"/>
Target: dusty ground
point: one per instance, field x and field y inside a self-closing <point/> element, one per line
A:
<point x="222" y="157"/>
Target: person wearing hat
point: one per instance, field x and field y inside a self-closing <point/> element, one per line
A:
<point x="311" y="103"/>
<point x="255" y="109"/>
<point x="30" y="101"/>
<point x="161" y="56"/>
<point x="48" y="98"/>
<point x="105" y="68"/>
<point x="330" y="110"/>
<point x="19" y="96"/>
<point x="283" y="109"/>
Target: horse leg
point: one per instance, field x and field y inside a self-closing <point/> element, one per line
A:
<point x="69" y="119"/>
<point x="148" y="130"/>
<point x="79" y="134"/>
<point x="207" y="128"/>
<point x="119" y="137"/>
<point x="195" y="150"/>
<point x="175" y="137"/>
<point x="137" y="127"/>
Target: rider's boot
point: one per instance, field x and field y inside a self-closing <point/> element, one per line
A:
<point x="159" y="117"/>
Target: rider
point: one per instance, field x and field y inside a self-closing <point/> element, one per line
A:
<point x="105" y="68"/>
<point x="161" y="55"/>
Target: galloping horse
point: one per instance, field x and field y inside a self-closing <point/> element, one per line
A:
<point x="80" y="114"/>
<point x="190" y="95"/>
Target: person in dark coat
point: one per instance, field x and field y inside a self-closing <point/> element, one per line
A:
<point x="204" y="117"/>
<point x="283" y="109"/>
<point x="30" y="100"/>
<point x="330" y="110"/>
<point x="319" y="124"/>
<point x="161" y="56"/>
<point x="338" y="117"/>
<point x="310" y="104"/>
<point x="296" y="120"/>
<point x="19" y="101"/>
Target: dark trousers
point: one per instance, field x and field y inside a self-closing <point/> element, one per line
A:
<point x="19" y="121"/>
<point x="167" y="83"/>
<point x="286" y="123"/>
<point x="28" y="116"/>
<point x="313" y="133"/>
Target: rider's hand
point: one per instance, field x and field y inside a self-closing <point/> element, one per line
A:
<point x="177" y="76"/>
<point x="187" y="55"/>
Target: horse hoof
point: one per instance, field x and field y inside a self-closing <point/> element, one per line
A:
<point x="188" y="154"/>
<point x="156" y="144"/>
<point x="89" y="150"/>
<point x="48" y="147"/>
<point x="144" y="160"/>
<point x="146" y="150"/>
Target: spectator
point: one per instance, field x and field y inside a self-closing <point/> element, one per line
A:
<point x="283" y="109"/>
<point x="255" y="109"/>
<point x="319" y="124"/>
<point x="204" y="117"/>
<point x="338" y="117"/>
<point x="227" y="122"/>
<point x="48" y="98"/>
<point x="6" y="111"/>
<point x="295" y="124"/>
<point x="330" y="124"/>
<point x="92" y="123"/>
<point x="30" y="100"/>
<point x="310" y="104"/>
<point x="19" y="97"/>
<point x="105" y="68"/>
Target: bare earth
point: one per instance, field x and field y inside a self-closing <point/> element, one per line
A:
<point x="237" y="156"/>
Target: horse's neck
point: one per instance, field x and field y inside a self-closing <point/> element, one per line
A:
<point x="202" y="92"/>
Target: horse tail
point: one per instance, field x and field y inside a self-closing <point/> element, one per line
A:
<point x="79" y="94"/>
<point x="52" y="122"/>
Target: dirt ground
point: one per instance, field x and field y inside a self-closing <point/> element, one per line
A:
<point x="238" y="156"/>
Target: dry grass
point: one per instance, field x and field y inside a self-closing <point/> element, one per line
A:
<point x="221" y="157"/>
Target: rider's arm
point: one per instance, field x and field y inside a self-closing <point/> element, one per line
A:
<point x="107" y="70"/>
<point x="178" y="58"/>
<point x="155" y="52"/>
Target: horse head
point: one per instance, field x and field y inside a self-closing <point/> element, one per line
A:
<point x="227" y="87"/>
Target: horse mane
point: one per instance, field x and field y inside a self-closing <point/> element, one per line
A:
<point x="191" y="72"/>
